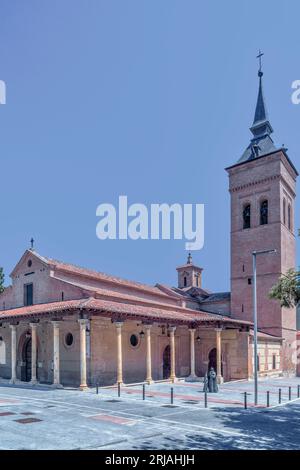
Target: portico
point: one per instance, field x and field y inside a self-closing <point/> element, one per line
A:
<point x="132" y="352"/>
<point x="114" y="331"/>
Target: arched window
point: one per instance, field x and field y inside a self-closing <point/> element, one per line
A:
<point x="289" y="217"/>
<point x="264" y="212"/>
<point x="184" y="281"/>
<point x="284" y="211"/>
<point x="247" y="216"/>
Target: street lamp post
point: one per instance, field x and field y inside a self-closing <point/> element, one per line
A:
<point x="254" y="254"/>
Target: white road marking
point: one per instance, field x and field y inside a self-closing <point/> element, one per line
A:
<point x="163" y="422"/>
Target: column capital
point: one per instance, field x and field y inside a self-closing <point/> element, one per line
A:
<point x="33" y="325"/>
<point x="219" y="329"/>
<point x="192" y="330"/>
<point x="13" y="327"/>
<point x="83" y="322"/>
<point x="56" y="323"/>
<point x="172" y="329"/>
<point x="119" y="324"/>
<point x="147" y="326"/>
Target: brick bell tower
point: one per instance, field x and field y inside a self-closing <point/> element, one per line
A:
<point x="262" y="186"/>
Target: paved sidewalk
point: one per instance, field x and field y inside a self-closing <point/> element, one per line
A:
<point x="45" y="418"/>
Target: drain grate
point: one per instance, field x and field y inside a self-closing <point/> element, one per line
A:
<point x="27" y="420"/>
<point x="7" y="413"/>
<point x="113" y="401"/>
<point x="191" y="402"/>
<point x="169" y="406"/>
<point x="27" y="413"/>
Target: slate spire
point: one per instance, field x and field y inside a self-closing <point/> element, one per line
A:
<point x="261" y="125"/>
<point x="261" y="142"/>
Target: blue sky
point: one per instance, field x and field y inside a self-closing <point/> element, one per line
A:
<point x="145" y="98"/>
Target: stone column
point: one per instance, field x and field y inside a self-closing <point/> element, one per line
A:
<point x="172" y="353"/>
<point x="219" y="355"/>
<point x="192" y="353"/>
<point x="56" y="359"/>
<point x="13" y="354"/>
<point x="119" y="352"/>
<point x="33" y="353"/>
<point x="83" y="325"/>
<point x="148" y="354"/>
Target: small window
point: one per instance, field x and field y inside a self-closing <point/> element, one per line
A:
<point x="29" y="263"/>
<point x="69" y="339"/>
<point x="62" y="296"/>
<point x="274" y="361"/>
<point x="284" y="211"/>
<point x="264" y="209"/>
<point x="289" y="217"/>
<point x="184" y="281"/>
<point x="242" y="308"/>
<point x="249" y="281"/>
<point x="247" y="216"/>
<point x="134" y="341"/>
<point x="28" y="294"/>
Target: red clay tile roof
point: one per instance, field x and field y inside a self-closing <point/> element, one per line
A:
<point x="39" y="309"/>
<point x="111" y="294"/>
<point x="72" y="269"/>
<point x="93" y="305"/>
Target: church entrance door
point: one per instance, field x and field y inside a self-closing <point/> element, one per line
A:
<point x="212" y="360"/>
<point x="27" y="359"/>
<point x="166" y="362"/>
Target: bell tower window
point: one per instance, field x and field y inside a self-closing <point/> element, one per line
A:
<point x="284" y="211"/>
<point x="264" y="213"/>
<point x="184" y="281"/>
<point x="247" y="216"/>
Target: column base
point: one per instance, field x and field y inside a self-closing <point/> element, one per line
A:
<point x="83" y="387"/>
<point x="13" y="381"/>
<point x="173" y="379"/>
<point x="33" y="382"/>
<point x="149" y="381"/>
<point x="193" y="378"/>
<point x="220" y="379"/>
<point x="57" y="386"/>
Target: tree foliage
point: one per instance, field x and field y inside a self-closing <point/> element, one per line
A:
<point x="2" y="277"/>
<point x="287" y="289"/>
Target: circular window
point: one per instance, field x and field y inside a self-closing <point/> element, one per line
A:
<point x="69" y="339"/>
<point x="29" y="263"/>
<point x="134" y="341"/>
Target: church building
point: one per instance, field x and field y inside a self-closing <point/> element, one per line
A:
<point x="68" y="326"/>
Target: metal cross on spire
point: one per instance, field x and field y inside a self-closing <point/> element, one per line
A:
<point x="260" y="54"/>
<point x="32" y="243"/>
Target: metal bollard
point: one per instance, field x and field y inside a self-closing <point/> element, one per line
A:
<point x="172" y="395"/>
<point x="144" y="394"/>
<point x="290" y="393"/>
<point x="119" y="389"/>
<point x="279" y="395"/>
<point x="205" y="399"/>
<point x="298" y="391"/>
<point x="268" y="398"/>
<point x="245" y="400"/>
